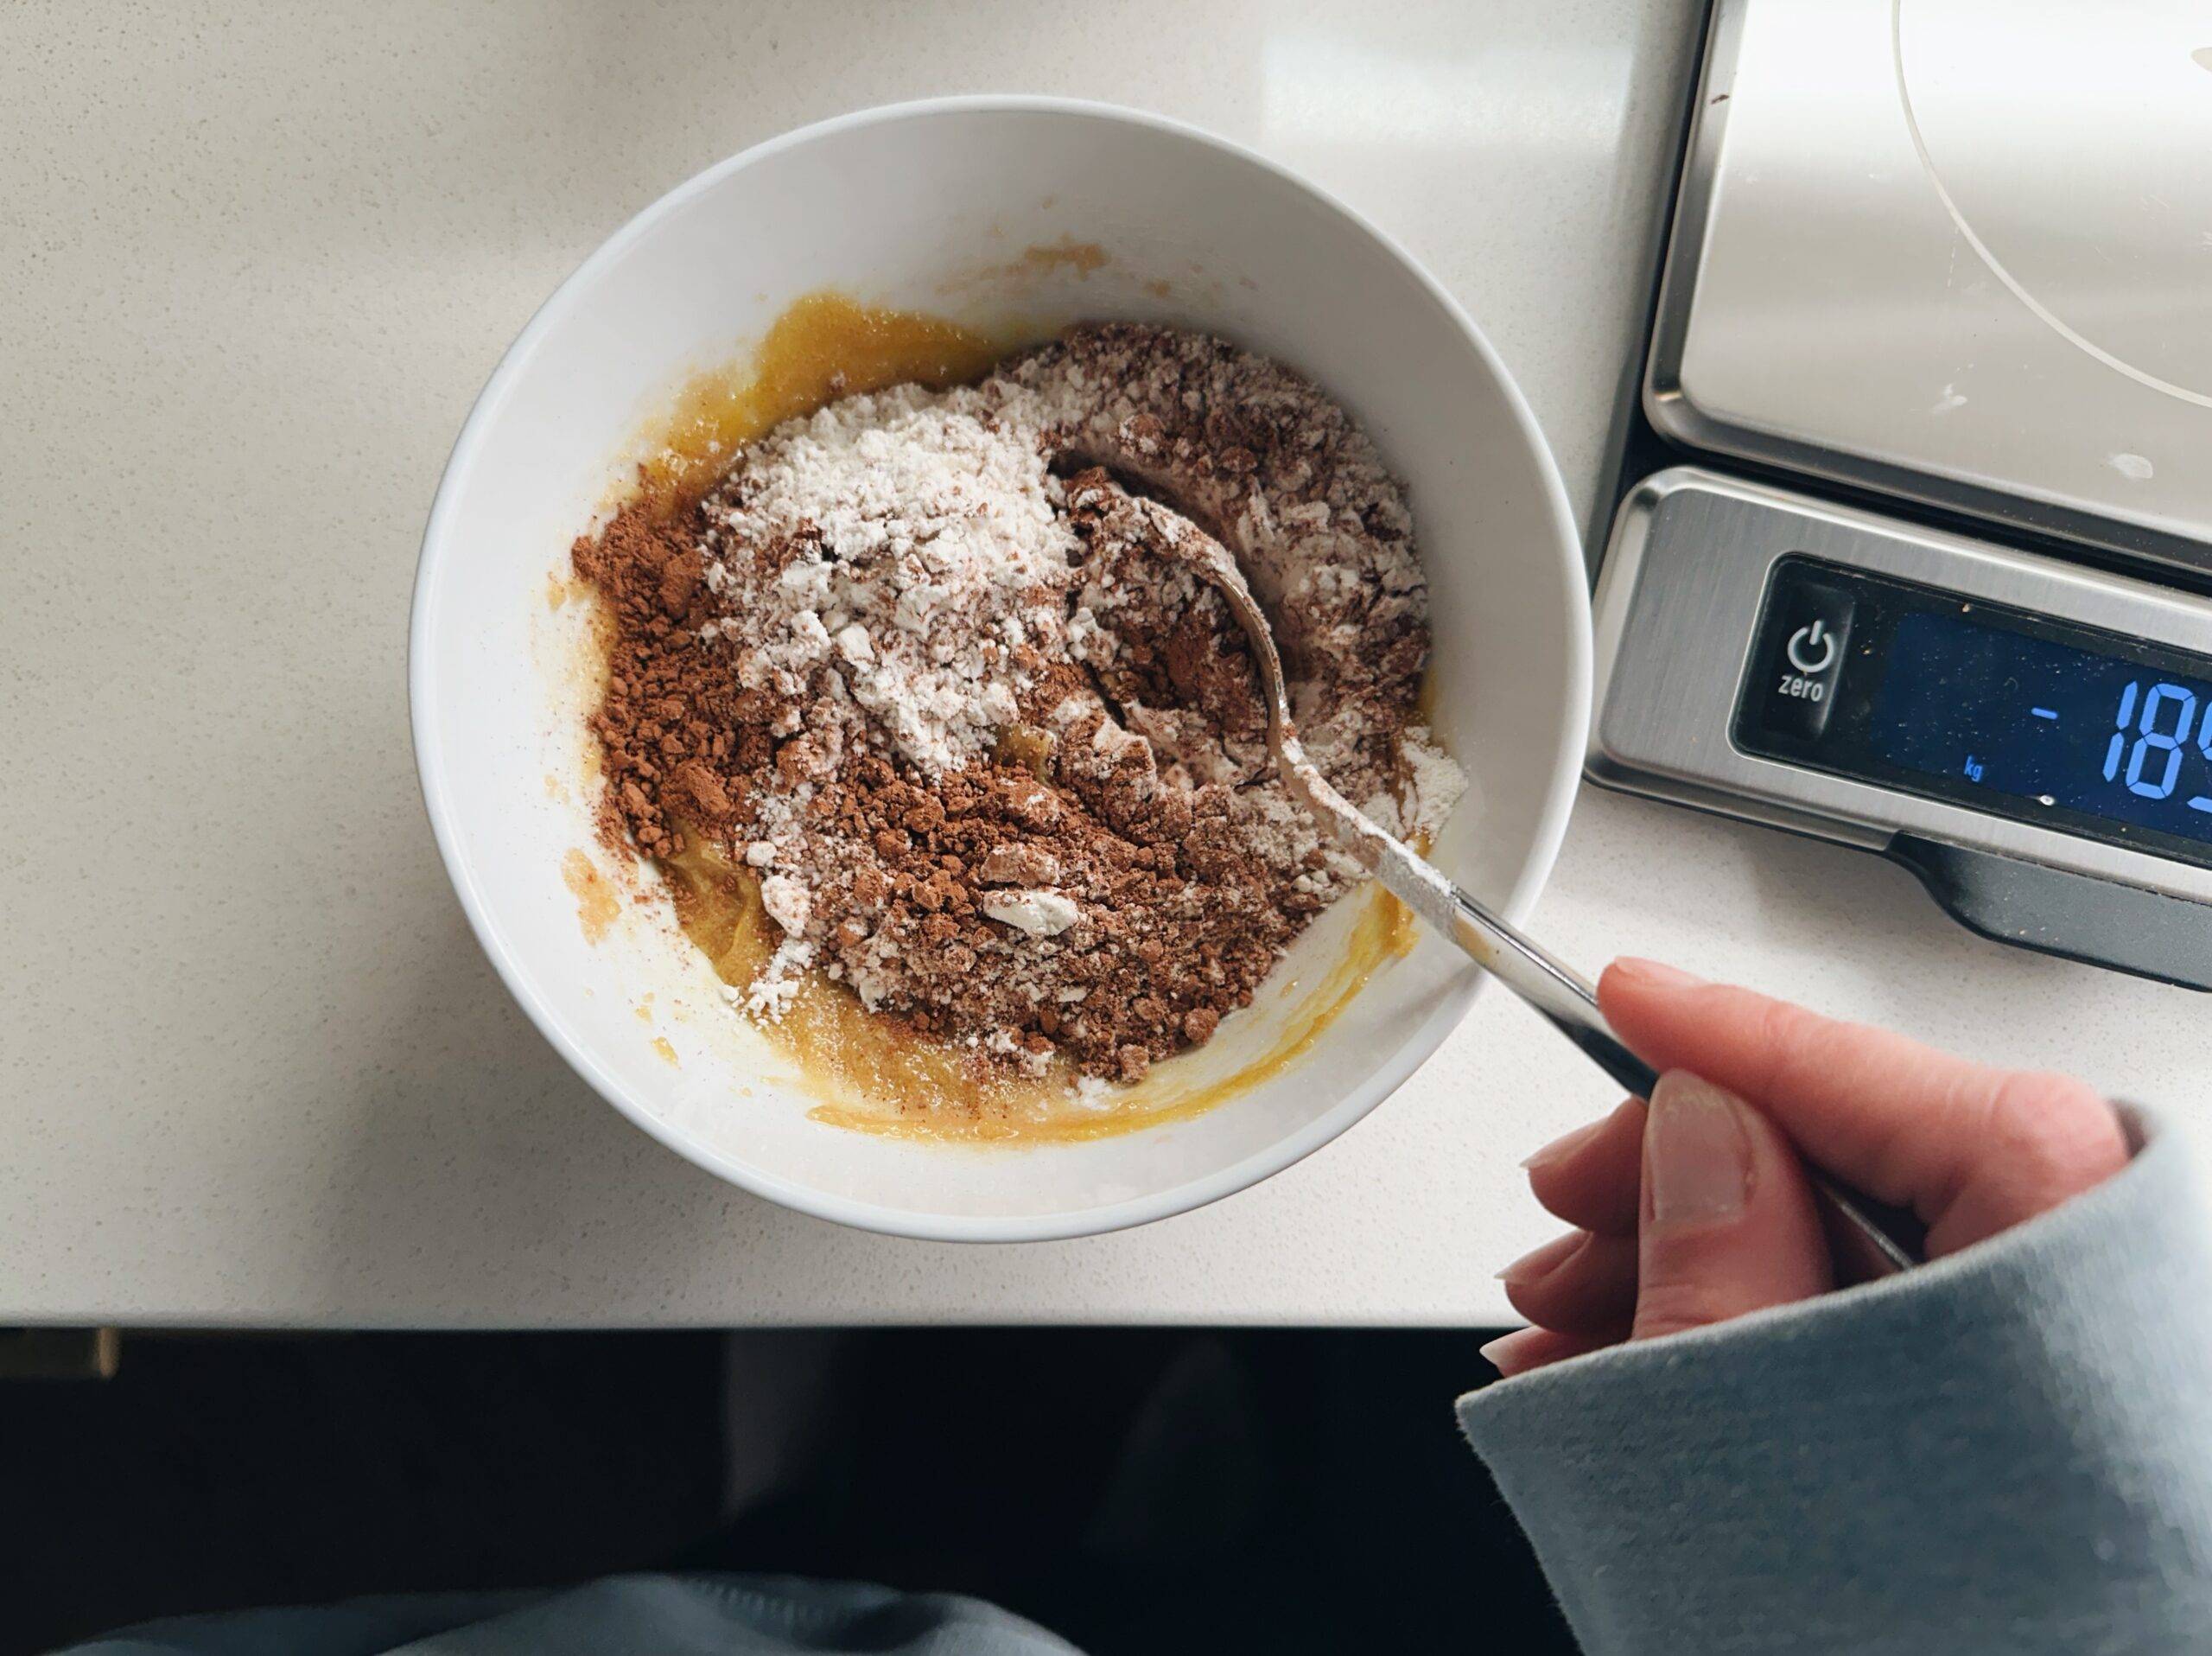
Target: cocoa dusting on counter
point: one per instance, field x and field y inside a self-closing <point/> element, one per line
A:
<point x="997" y="764"/>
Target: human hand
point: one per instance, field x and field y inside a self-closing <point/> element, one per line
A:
<point x="1695" y="1208"/>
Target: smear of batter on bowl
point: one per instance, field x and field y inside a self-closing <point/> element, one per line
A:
<point x="984" y="760"/>
<point x="597" y="907"/>
<point x="1081" y="259"/>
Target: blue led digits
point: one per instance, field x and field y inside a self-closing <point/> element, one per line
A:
<point x="2150" y="739"/>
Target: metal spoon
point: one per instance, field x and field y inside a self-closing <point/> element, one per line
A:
<point x="1867" y="1236"/>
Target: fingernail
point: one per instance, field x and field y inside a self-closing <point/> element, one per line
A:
<point x="1654" y="974"/>
<point x="1535" y="1265"/>
<point x="1697" y="1155"/>
<point x="1499" y="1352"/>
<point x="1562" y="1147"/>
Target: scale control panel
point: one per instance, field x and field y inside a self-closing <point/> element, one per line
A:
<point x="2032" y="738"/>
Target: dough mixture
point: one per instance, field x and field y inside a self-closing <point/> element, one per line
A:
<point x="996" y="762"/>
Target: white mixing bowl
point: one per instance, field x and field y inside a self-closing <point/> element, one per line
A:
<point x="929" y="206"/>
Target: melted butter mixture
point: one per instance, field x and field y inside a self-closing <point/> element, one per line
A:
<point x="825" y="347"/>
<point x="872" y="1073"/>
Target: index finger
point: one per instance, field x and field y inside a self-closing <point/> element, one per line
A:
<point x="1970" y="1147"/>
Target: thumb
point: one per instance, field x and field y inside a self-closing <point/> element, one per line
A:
<point x="1728" y="1223"/>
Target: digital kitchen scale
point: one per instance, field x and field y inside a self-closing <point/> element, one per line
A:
<point x="1916" y="515"/>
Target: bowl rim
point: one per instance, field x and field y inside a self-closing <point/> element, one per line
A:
<point x="1248" y="1170"/>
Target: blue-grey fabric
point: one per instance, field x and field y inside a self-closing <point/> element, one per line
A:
<point x="2009" y="1450"/>
<point x="621" y="1615"/>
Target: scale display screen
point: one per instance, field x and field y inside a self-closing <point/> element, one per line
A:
<point x="2007" y="711"/>
<point x="2011" y="713"/>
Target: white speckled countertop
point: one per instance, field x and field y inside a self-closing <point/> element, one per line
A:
<point x="255" y="265"/>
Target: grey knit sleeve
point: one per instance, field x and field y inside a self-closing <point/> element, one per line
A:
<point x="2007" y="1450"/>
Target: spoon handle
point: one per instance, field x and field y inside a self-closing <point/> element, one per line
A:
<point x="1869" y="1239"/>
<point x="1875" y="1238"/>
<point x="1551" y="986"/>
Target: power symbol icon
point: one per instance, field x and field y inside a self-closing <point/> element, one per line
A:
<point x="1811" y="648"/>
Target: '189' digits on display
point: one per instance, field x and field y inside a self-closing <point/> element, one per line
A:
<point x="2148" y="736"/>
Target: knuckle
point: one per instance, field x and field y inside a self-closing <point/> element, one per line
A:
<point x="2055" y="1133"/>
<point x="1785" y="1034"/>
<point x="1802" y="1047"/>
<point x="1805" y="1053"/>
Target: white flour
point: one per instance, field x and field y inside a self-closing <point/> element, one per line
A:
<point x="909" y="539"/>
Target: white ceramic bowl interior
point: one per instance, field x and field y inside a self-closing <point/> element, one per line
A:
<point x="931" y="206"/>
